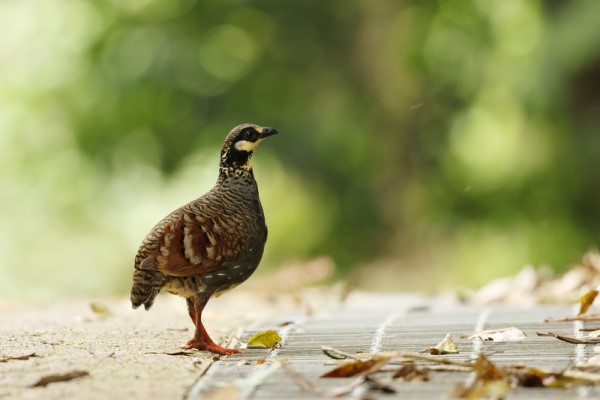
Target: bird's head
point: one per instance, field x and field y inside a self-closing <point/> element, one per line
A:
<point x="239" y="146"/>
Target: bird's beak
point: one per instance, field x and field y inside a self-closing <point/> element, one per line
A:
<point x="266" y="132"/>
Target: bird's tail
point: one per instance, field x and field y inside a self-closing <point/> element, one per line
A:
<point x="147" y="282"/>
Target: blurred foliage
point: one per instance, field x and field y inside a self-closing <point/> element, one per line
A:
<point x="454" y="135"/>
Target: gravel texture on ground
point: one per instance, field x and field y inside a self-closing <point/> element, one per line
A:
<point x="124" y="351"/>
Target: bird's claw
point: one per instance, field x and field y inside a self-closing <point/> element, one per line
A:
<point x="212" y="347"/>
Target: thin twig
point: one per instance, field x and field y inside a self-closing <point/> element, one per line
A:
<point x="570" y="339"/>
<point x="593" y="317"/>
<point x="23" y="357"/>
<point x="337" y="354"/>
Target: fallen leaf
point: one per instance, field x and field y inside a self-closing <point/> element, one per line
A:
<point x="446" y="346"/>
<point x="487" y="370"/>
<point x="379" y="385"/>
<point x="264" y="340"/>
<point x="586" y="301"/>
<point x="337" y="354"/>
<point x="576" y="318"/>
<point x="350" y="368"/>
<point x="11" y="358"/>
<point x="589" y="329"/>
<point x="532" y="377"/>
<point x="500" y="335"/>
<point x="573" y="340"/>
<point x="46" y="380"/>
<point x="355" y="367"/>
<point x="100" y="309"/>
<point x="410" y="373"/>
<point x="490" y="381"/>
<point x="447" y="368"/>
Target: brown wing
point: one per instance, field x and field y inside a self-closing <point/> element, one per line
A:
<point x="195" y="245"/>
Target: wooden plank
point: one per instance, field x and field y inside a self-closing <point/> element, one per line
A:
<point x="383" y="323"/>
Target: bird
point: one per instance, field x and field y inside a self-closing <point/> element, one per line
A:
<point x="211" y="244"/>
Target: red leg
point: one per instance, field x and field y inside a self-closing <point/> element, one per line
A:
<point x="201" y="340"/>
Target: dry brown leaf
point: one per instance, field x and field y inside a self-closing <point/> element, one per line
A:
<point x="379" y="385"/>
<point x="350" y="368"/>
<point x="446" y="346"/>
<point x="571" y="339"/>
<point x="532" y="377"/>
<point x="576" y="318"/>
<point x="410" y="373"/>
<point x="487" y="370"/>
<point x="497" y="389"/>
<point x="586" y="301"/>
<point x="48" y="379"/>
<point x="490" y="381"/>
<point x="511" y="334"/>
<point x="264" y="340"/>
<point x="23" y="357"/>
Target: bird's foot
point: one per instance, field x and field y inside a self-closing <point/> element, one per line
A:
<point x="212" y="347"/>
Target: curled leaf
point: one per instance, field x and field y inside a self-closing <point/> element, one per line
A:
<point x="487" y="370"/>
<point x="349" y="368"/>
<point x="490" y="382"/>
<point x="355" y="367"/>
<point x="586" y="301"/>
<point x="264" y="340"/>
<point x="409" y="372"/>
<point x="446" y="346"/>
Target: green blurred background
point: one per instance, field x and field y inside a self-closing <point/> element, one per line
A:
<point x="423" y="143"/>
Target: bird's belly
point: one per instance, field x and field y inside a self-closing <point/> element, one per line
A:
<point x="185" y="286"/>
<point x="227" y="278"/>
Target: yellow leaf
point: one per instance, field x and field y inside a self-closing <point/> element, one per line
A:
<point x="446" y="346"/>
<point x="586" y="301"/>
<point x="264" y="340"/>
<point x="486" y="370"/>
<point x="100" y="309"/>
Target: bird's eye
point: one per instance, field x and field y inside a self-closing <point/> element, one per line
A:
<point x="250" y="134"/>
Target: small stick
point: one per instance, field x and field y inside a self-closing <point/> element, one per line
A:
<point x="570" y="339"/>
<point x="337" y="354"/>
<point x="594" y="317"/>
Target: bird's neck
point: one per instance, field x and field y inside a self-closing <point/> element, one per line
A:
<point x="235" y="176"/>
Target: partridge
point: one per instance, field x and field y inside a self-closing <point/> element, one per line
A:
<point x="211" y="244"/>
